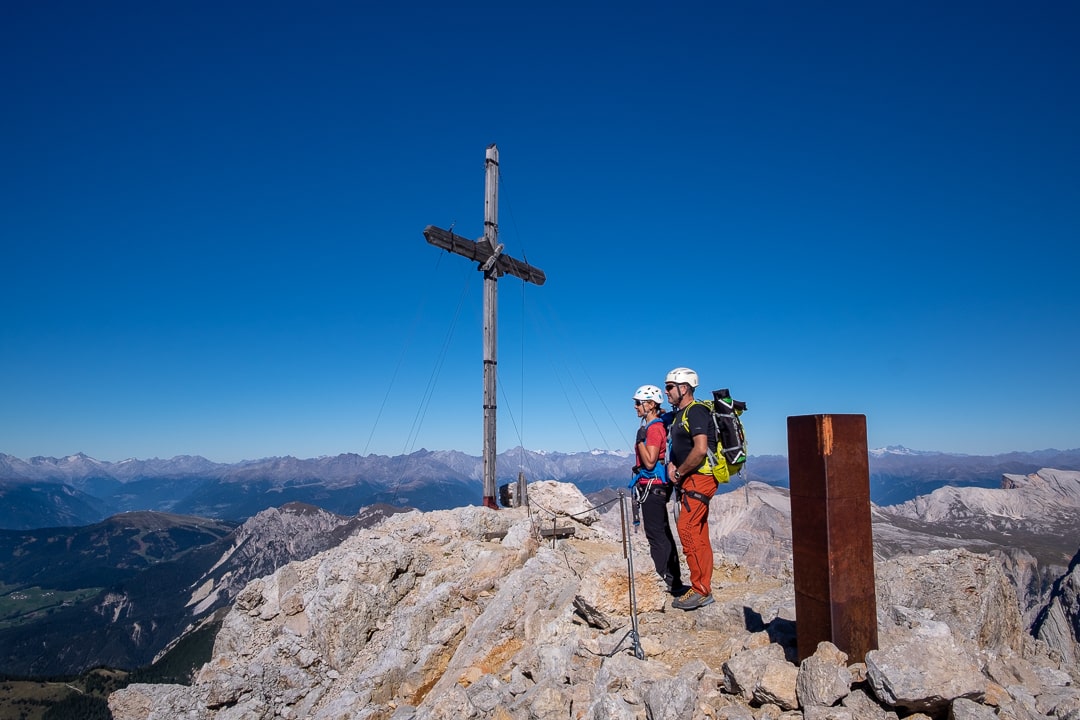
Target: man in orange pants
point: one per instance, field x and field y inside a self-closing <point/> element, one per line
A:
<point x="692" y="434"/>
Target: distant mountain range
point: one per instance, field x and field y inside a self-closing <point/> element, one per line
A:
<point x="79" y="490"/>
<point x="898" y="474"/>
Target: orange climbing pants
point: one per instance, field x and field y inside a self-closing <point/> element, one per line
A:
<point x="693" y="529"/>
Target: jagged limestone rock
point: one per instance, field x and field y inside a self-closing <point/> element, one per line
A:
<point x="426" y="617"/>
<point x="823" y="677"/>
<point x="654" y="692"/>
<point x="777" y="685"/>
<point x="762" y="675"/>
<point x="606" y="587"/>
<point x="734" y="712"/>
<point x="925" y="671"/>
<point x="964" y="709"/>
<point x="858" y="672"/>
<point x="1052" y="677"/>
<point x="821" y="712"/>
<point x="1058" y="623"/>
<point x="1018" y="710"/>
<point x="1008" y="670"/>
<point x="589" y="614"/>
<point x="768" y="711"/>
<point x="1031" y="579"/>
<point x="862" y="706"/>
<point x="155" y="702"/>
<point x="1043" y="505"/>
<point x="742" y="672"/>
<point x="967" y="591"/>
<point x="1059" y="702"/>
<point x="561" y="500"/>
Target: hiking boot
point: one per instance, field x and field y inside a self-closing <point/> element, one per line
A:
<point x="692" y="601"/>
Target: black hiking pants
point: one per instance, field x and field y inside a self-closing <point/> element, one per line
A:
<point x="654" y="516"/>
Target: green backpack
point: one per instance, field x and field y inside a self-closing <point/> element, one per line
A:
<point x="728" y="456"/>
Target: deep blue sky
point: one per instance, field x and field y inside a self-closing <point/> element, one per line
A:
<point x="211" y="218"/>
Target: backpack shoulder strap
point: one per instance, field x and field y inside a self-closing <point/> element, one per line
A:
<point x="686" y="410"/>
<point x="659" y="471"/>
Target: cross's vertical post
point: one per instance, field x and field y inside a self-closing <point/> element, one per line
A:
<point x="491" y="320"/>
<point x="832" y="541"/>
<point x="493" y="263"/>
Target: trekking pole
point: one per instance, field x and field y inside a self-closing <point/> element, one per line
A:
<point x="629" y="552"/>
<point x="622" y="521"/>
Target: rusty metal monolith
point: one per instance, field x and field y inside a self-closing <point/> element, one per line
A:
<point x="831" y="536"/>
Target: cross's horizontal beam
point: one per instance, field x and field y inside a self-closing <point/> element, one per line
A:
<point x="481" y="252"/>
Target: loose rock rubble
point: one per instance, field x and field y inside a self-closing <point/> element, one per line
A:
<point x="423" y="617"/>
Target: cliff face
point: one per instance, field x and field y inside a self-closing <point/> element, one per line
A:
<point x="467" y="613"/>
<point x="1031" y="524"/>
<point x="1058" y="623"/>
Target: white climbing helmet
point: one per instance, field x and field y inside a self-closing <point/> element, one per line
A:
<point x="682" y="375"/>
<point x="649" y="392"/>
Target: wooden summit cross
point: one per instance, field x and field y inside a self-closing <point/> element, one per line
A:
<point x="488" y="252"/>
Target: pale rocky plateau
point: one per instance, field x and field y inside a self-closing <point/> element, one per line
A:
<point x="471" y="613"/>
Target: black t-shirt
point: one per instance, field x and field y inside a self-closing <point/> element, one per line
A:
<point x="699" y="422"/>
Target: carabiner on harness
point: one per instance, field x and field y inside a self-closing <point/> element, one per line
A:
<point x="641" y="492"/>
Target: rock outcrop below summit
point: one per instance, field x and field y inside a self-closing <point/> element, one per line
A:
<point x="426" y="616"/>
<point x="1058" y="622"/>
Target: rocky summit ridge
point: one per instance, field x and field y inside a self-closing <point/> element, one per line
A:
<point x="470" y="613"/>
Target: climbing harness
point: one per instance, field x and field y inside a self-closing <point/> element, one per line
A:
<point x="700" y="497"/>
<point x="641" y="493"/>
